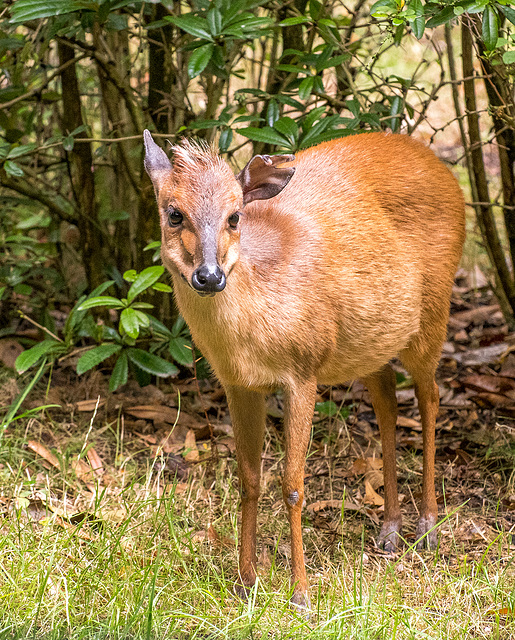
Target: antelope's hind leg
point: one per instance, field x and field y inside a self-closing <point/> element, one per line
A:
<point x="381" y="386"/>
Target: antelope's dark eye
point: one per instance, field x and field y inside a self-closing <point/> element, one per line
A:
<point x="174" y="217"/>
<point x="233" y="220"/>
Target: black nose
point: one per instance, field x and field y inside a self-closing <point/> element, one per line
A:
<point x="208" y="279"/>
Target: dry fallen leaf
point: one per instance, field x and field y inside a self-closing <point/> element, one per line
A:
<point x="95" y="462"/>
<point x="371" y="496"/>
<point x="89" y="405"/>
<point x="190" y="447"/>
<point x="410" y="423"/>
<point x="156" y="412"/>
<point x="320" y="505"/>
<point x="42" y="451"/>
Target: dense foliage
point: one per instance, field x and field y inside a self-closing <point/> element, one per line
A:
<point x="81" y="79"/>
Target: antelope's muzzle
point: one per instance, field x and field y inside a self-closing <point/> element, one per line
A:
<point x="208" y="279"/>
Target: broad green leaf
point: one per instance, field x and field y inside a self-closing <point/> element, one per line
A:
<point x="12" y="169"/>
<point x="130" y="275"/>
<point x="143" y="318"/>
<point x="508" y="12"/>
<point x="28" y="358"/>
<point x="24" y="10"/>
<point x="306" y="87"/>
<point x="156" y="244"/>
<point x="327" y="408"/>
<point x="395" y="111"/>
<point x="199" y="59"/>
<point x="129" y="322"/>
<point x="144" y="280"/>
<point x="160" y="286"/>
<point x="214" y="20"/>
<point x="224" y="142"/>
<point x="289" y="22"/>
<point x="267" y="135"/>
<point x="181" y="350"/>
<point x="193" y="25"/>
<point x="151" y="363"/>
<point x="418" y="25"/>
<point x="273" y="113"/>
<point x="490" y="29"/>
<point x="446" y="15"/>
<point x="101" y="301"/>
<point x="288" y="127"/>
<point x="21" y="150"/>
<point x="120" y="372"/>
<point x="508" y="57"/>
<point x="95" y="356"/>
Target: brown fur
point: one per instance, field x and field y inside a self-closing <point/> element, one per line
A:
<point x="349" y="266"/>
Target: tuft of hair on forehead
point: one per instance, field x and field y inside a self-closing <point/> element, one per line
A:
<point x="189" y="156"/>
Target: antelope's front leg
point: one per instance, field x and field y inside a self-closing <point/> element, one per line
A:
<point x="248" y="416"/>
<point x="300" y="403"/>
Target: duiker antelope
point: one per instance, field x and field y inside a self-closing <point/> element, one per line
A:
<point x="314" y="268"/>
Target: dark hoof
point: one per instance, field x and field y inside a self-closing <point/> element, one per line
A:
<point x="426" y="536"/>
<point x="389" y="538"/>
<point x="241" y="591"/>
<point x="301" y="603"/>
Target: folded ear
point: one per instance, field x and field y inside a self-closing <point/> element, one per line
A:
<point x="261" y="179"/>
<point x="156" y="162"/>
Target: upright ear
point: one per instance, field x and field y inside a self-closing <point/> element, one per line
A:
<point x="157" y="164"/>
<point x="261" y="179"/>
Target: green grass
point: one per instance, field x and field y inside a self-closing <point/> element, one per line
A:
<point x="132" y="559"/>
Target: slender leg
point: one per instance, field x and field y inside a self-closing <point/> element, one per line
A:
<point x="248" y="415"/>
<point x="381" y="386"/>
<point x="300" y="402"/>
<point x="428" y="400"/>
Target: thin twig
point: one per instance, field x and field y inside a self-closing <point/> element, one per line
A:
<point x="39" y="326"/>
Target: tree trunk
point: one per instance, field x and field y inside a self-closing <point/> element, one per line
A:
<point x="81" y="169"/>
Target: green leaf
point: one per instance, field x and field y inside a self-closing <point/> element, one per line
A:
<point x="327" y="408"/>
<point x="490" y="29"/>
<point x="508" y="57"/>
<point x="142" y="305"/>
<point x="130" y="275"/>
<point x="21" y="150"/>
<point x="12" y="169"/>
<point x="156" y="244"/>
<point x="143" y="319"/>
<point x="129" y="322"/>
<point x="193" y="25"/>
<point x="199" y="59"/>
<point x="395" y="111"/>
<point x="95" y="356"/>
<point x="181" y="350"/>
<point x="289" y="22"/>
<point x="160" y="286"/>
<point x="144" y="280"/>
<point x="418" y="25"/>
<point x="101" y="301"/>
<point x="306" y="87"/>
<point x="151" y="363"/>
<point x="224" y="142"/>
<point x="288" y="127"/>
<point x="120" y="372"/>
<point x="446" y="15"/>
<point x="272" y="113"/>
<point x="24" y="10"/>
<point x="28" y="358"/>
<point x="508" y="12"/>
<point x="267" y="135"/>
<point x="214" y="20"/>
